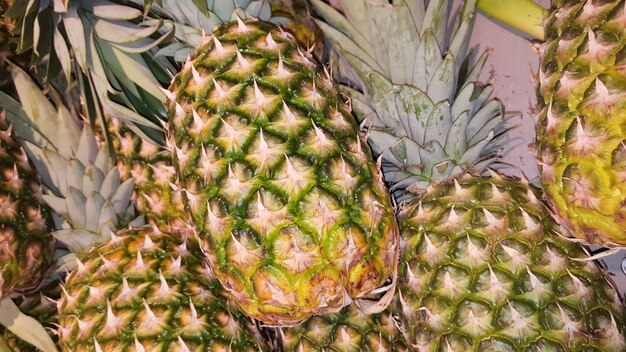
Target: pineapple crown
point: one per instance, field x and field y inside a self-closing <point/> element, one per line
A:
<point x="82" y="183"/>
<point x="409" y="74"/>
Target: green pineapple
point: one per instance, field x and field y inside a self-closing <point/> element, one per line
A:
<point x="26" y="246"/>
<point x="148" y="290"/>
<point x="482" y="268"/>
<point x="283" y="193"/>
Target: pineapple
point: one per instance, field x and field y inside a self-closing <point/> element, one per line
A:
<point x="579" y="128"/>
<point x="483" y="267"/>
<point x="147" y="290"/>
<point x="26" y="246"/>
<point x="283" y="193"/>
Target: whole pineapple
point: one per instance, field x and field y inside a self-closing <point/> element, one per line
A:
<point x="26" y="246"/>
<point x="147" y="290"/>
<point x="482" y="268"/>
<point x="581" y="128"/>
<point x="284" y="195"/>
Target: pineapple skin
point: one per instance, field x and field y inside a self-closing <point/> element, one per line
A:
<point x="26" y="245"/>
<point x="149" y="290"/>
<point x="483" y="270"/>
<point x="281" y="189"/>
<point x="582" y="124"/>
<point x="349" y="330"/>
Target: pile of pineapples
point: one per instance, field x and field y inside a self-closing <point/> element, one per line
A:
<point x="186" y="176"/>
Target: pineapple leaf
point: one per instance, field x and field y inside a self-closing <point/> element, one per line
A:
<point x="103" y="160"/>
<point x="93" y="205"/>
<point x="122" y="196"/>
<point x="438" y="123"/>
<point x="55" y="166"/>
<point x="76" y="207"/>
<point x="395" y="52"/>
<point x="456" y="141"/>
<point x="461" y="39"/>
<point x="39" y="111"/>
<point x="76" y="34"/>
<point x="171" y="49"/>
<point x="130" y="67"/>
<point x="443" y="84"/>
<point x="87" y="150"/>
<point x="112" y="11"/>
<point x="141" y="46"/>
<point x="474" y="151"/>
<point x="484" y="120"/>
<point x="259" y="9"/>
<point x="24" y="327"/>
<point x="75" y="174"/>
<point x="121" y="32"/>
<point x="464" y="100"/>
<point x="476" y="70"/>
<point x="92" y="180"/>
<point x="111" y="183"/>
<point x="62" y="54"/>
<point x="435" y="19"/>
<point x="335" y="24"/>
<point x="202" y="6"/>
<point x="17" y="117"/>
<point x="57" y="204"/>
<point x="79" y="240"/>
<point x="428" y="57"/>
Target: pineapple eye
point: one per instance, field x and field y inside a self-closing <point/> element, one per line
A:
<point x="618" y="156"/>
